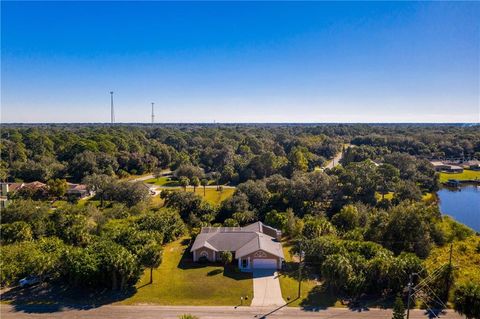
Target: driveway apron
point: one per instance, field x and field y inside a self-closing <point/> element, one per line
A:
<point x="266" y="289"/>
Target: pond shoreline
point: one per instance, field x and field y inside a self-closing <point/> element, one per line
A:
<point x="461" y="203"/>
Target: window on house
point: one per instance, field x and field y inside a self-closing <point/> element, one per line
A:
<point x="260" y="254"/>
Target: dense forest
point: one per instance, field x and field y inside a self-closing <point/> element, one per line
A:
<point x="237" y="152"/>
<point x="358" y="240"/>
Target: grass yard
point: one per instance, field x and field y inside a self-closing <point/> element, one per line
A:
<point x="162" y="181"/>
<point x="179" y="281"/>
<point x="212" y="195"/>
<point x="157" y="202"/>
<point x="81" y="203"/>
<point x="312" y="293"/>
<point x="388" y="196"/>
<point x="427" y="197"/>
<point x="465" y="175"/>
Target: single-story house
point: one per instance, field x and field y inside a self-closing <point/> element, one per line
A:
<point x="78" y="190"/>
<point x="35" y="185"/>
<point x="446" y="167"/>
<point x="472" y="164"/>
<point x="256" y="246"/>
<point x="7" y="188"/>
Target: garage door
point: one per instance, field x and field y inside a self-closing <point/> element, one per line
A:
<point x="265" y="264"/>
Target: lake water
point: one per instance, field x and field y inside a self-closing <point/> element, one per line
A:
<point x="462" y="204"/>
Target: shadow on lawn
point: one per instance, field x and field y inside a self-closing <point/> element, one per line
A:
<point x="214" y="272"/>
<point x="52" y="297"/>
<point x="321" y="296"/>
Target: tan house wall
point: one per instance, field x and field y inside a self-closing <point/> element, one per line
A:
<point x="198" y="254"/>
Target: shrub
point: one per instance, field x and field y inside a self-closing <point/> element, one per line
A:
<point x="226" y="257"/>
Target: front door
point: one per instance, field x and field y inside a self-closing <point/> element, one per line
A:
<point x="244" y="263"/>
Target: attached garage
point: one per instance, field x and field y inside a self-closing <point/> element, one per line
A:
<point x="265" y="264"/>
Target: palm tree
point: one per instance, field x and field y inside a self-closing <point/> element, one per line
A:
<point x="216" y="177"/>
<point x="204" y="183"/>
<point x="151" y="257"/>
<point x="184" y="181"/>
<point x="195" y="183"/>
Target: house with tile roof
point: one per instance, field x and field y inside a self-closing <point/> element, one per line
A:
<point x="256" y="246"/>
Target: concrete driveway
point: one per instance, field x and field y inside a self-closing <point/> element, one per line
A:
<point x="266" y="289"/>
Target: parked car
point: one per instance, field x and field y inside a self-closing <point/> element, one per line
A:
<point x="29" y="281"/>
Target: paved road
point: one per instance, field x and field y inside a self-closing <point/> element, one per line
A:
<point x="266" y="289"/>
<point x="335" y="161"/>
<point x="145" y="177"/>
<point x="170" y="312"/>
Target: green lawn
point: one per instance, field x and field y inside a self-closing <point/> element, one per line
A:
<point x="427" y="197"/>
<point x="179" y="281"/>
<point x="465" y="175"/>
<point x="212" y="195"/>
<point x="388" y="196"/>
<point x="80" y="203"/>
<point x="162" y="181"/>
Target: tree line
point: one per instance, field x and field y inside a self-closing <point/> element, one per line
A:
<point x="355" y="237"/>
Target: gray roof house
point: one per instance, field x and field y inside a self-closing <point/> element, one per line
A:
<point x="256" y="246"/>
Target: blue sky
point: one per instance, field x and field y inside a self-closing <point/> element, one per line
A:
<point x="241" y="62"/>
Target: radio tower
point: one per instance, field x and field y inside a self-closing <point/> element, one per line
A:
<point x="153" y="113"/>
<point x="112" y="111"/>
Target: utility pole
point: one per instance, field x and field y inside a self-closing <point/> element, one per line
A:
<point x="448" y="283"/>
<point x="112" y="111"/>
<point x="409" y="295"/>
<point x="153" y="113"/>
<point x="410" y="284"/>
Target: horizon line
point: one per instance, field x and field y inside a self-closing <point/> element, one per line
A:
<point x="233" y="123"/>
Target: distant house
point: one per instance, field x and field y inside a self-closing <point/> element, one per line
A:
<point x="6" y="188"/>
<point x="455" y="169"/>
<point x="35" y="185"/>
<point x="473" y="165"/>
<point x="256" y="246"/>
<point x="78" y="190"/>
<point x="446" y="167"/>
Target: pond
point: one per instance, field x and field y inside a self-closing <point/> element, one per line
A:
<point x="463" y="204"/>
